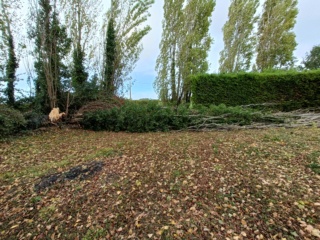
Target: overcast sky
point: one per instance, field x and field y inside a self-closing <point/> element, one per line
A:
<point x="307" y="32"/>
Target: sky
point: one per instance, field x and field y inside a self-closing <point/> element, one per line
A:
<point x="307" y="30"/>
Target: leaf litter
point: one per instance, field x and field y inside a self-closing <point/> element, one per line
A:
<point x="241" y="184"/>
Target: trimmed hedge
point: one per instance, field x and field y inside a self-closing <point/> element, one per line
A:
<point x="291" y="90"/>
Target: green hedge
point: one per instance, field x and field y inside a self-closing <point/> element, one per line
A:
<point x="291" y="90"/>
<point x="11" y="121"/>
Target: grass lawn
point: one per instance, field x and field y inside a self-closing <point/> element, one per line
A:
<point x="242" y="184"/>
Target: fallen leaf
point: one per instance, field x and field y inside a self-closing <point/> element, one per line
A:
<point x="315" y="232"/>
<point x="243" y="222"/>
<point x="14" y="226"/>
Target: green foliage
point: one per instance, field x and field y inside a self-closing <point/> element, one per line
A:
<point x="276" y="40"/>
<point x="315" y="167"/>
<point x="81" y="19"/>
<point x="239" y="39"/>
<point x="184" y="47"/>
<point x="11" y="64"/>
<point x="11" y="67"/>
<point x="314" y="157"/>
<point x="290" y="90"/>
<point x="11" y="121"/>
<point x="24" y="104"/>
<point x="231" y="115"/>
<point x="312" y="60"/>
<point x="136" y="117"/>
<point x="88" y="91"/>
<point x="144" y="116"/>
<point x="34" y="120"/>
<point x="78" y="74"/>
<point x="129" y="17"/>
<point x="110" y="54"/>
<point x="52" y="45"/>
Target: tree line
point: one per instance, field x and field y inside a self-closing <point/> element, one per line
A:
<point x="77" y="53"/>
<point x="252" y="42"/>
<point x="73" y="59"/>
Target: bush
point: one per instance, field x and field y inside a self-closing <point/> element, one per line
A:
<point x="34" y="120"/>
<point x="291" y="90"/>
<point x="24" y="104"/>
<point x="150" y="117"/>
<point x="136" y="117"/>
<point x="11" y="121"/>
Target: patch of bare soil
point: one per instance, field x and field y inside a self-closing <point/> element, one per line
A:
<point x="82" y="172"/>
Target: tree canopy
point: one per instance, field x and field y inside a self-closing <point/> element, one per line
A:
<point x="184" y="47"/>
<point x="129" y="18"/>
<point x="276" y="39"/>
<point x="312" y="59"/>
<point x="89" y="47"/>
<point x="238" y="36"/>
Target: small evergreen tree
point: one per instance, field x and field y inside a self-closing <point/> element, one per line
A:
<point x="11" y="63"/>
<point x="11" y="67"/>
<point x="78" y="74"/>
<point x="110" y="54"/>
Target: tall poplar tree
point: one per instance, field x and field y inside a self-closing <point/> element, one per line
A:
<point x="238" y="36"/>
<point x="166" y="67"/>
<point x="276" y="40"/>
<point x="184" y="47"/>
<point x="51" y="46"/>
<point x="81" y="18"/>
<point x="129" y="17"/>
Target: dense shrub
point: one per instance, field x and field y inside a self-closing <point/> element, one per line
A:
<point x="34" y="120"/>
<point x="150" y="117"/>
<point x="136" y="117"/>
<point x="24" y="104"/>
<point x="11" y="121"/>
<point x="290" y="90"/>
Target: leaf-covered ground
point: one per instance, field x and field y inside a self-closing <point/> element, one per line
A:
<point x="242" y="184"/>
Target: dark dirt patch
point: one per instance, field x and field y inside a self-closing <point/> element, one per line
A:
<point x="81" y="172"/>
